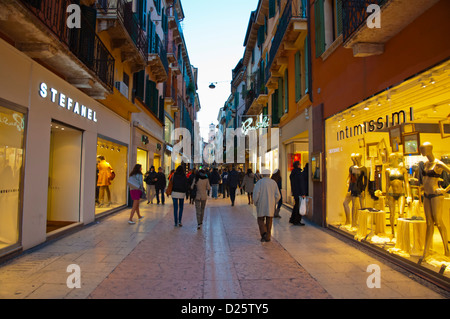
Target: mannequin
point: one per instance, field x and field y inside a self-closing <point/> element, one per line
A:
<point x="357" y="182"/>
<point x="397" y="186"/>
<point x="433" y="197"/>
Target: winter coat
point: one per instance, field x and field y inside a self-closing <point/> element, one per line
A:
<point x="248" y="183"/>
<point x="233" y="178"/>
<point x="265" y="197"/>
<point x="214" y="178"/>
<point x="160" y="181"/>
<point x="104" y="173"/>
<point x="180" y="185"/>
<point x="202" y="182"/>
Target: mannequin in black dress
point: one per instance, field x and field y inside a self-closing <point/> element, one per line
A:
<point x="357" y="182"/>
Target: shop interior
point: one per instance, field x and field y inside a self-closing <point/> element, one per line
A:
<point x="11" y="162"/>
<point x="111" y="177"/>
<point x="297" y="149"/>
<point x="388" y="170"/>
<point x="64" y="180"/>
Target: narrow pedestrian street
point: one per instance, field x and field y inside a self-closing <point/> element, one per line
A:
<point x="224" y="260"/>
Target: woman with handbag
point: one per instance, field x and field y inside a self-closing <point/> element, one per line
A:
<point x="136" y="184"/>
<point x="200" y="187"/>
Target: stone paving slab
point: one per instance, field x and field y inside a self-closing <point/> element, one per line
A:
<point x="224" y="259"/>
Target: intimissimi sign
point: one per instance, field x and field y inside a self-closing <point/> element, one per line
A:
<point x="382" y="122"/>
<point x="67" y="102"/>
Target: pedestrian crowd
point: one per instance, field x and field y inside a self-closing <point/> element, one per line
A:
<point x="263" y="190"/>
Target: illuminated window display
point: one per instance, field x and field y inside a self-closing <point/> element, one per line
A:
<point x="388" y="168"/>
<point x="111" y="175"/>
<point x="11" y="161"/>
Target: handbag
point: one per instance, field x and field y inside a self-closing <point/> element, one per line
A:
<point x="302" y="206"/>
<point x="143" y="194"/>
<point x="169" y="187"/>
<point x="194" y="191"/>
<point x="133" y="183"/>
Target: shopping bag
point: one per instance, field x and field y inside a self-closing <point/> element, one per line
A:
<point x="302" y="206"/>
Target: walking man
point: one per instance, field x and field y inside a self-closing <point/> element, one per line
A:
<point x="297" y="191"/>
<point x="265" y="197"/>
<point x="233" y="181"/>
<point x="160" y="185"/>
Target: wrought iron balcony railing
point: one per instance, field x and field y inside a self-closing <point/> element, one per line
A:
<point x="131" y="24"/>
<point x="156" y="47"/>
<point x="293" y="9"/>
<point x="83" y="42"/>
<point x="354" y="14"/>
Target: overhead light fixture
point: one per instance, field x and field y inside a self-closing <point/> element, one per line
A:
<point x="432" y="81"/>
<point x="423" y="85"/>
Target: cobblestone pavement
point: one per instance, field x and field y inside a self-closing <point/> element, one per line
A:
<point x="224" y="260"/>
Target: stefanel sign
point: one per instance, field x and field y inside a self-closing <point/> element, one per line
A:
<point x="67" y="103"/>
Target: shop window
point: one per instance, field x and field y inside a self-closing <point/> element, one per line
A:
<point x="111" y="175"/>
<point x="388" y="168"/>
<point x="11" y="162"/>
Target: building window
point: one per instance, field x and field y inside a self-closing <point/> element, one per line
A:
<point x="11" y="161"/>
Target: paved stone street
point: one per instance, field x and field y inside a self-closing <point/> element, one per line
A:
<point x="224" y="260"/>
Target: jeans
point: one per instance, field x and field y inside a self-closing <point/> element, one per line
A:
<point x="215" y="188"/>
<point x="232" y="194"/>
<point x="178" y="204"/>
<point x="158" y="190"/>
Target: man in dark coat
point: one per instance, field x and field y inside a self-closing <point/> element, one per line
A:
<point x="297" y="188"/>
<point x="160" y="185"/>
<point x="233" y="182"/>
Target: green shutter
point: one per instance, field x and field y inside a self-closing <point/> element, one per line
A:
<point x="319" y="27"/>
<point x="139" y="85"/>
<point x="280" y="98"/>
<point x="272" y="8"/>
<point x="286" y="91"/>
<point x="275" y="117"/>
<point x="306" y="59"/>
<point x="298" y="76"/>
<point x="338" y="6"/>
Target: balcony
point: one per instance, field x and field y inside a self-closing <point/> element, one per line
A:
<point x="366" y="40"/>
<point x="117" y="19"/>
<point x="290" y="34"/>
<point x="39" y="29"/>
<point x="157" y="59"/>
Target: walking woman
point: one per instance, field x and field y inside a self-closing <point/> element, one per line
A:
<point x="179" y="190"/>
<point x="201" y="186"/>
<point x="136" y="184"/>
<point x="248" y="184"/>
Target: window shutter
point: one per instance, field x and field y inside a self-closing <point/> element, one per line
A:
<point x="138" y="83"/>
<point x="298" y="76"/>
<point x="319" y="27"/>
<point x="280" y="99"/>
<point x="286" y="91"/>
<point x="275" y="117"/>
<point x="306" y="59"/>
<point x="272" y="8"/>
<point x="338" y="6"/>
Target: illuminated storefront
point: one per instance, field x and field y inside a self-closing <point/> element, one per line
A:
<point x="50" y="186"/>
<point x="12" y="132"/>
<point x="388" y="168"/>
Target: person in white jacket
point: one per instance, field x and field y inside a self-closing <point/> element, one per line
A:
<point x="265" y="197"/>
